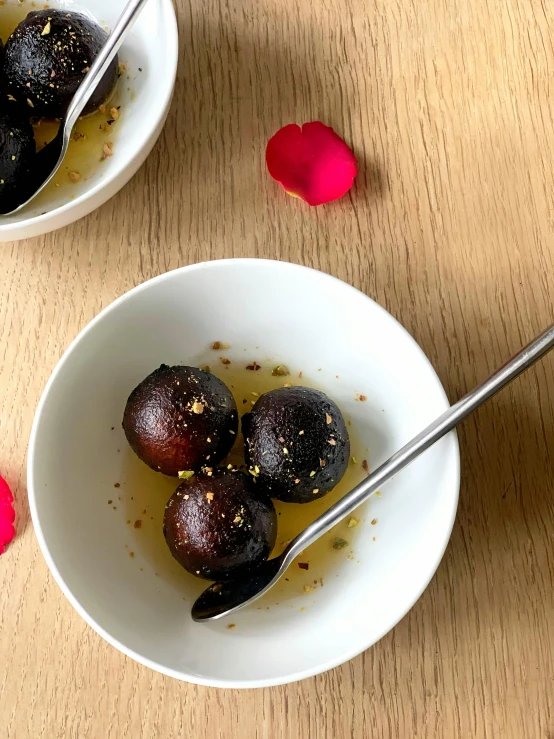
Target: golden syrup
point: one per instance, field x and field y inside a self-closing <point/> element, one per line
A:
<point x="145" y="493"/>
<point x="86" y="148"/>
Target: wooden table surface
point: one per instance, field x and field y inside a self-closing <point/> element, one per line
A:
<point x="449" y="107"/>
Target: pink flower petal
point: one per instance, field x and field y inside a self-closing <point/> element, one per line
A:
<point x="7" y="515"/>
<point x="311" y="162"/>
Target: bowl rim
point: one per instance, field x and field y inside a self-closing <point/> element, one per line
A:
<point x="181" y="675"/>
<point x="35" y="223"/>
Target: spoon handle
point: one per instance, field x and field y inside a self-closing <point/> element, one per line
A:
<point x="435" y="431"/>
<point x="100" y="65"/>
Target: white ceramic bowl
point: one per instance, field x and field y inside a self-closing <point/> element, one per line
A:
<point x="145" y="97"/>
<point x="277" y="312"/>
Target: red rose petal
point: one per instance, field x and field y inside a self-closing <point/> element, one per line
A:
<point x="311" y="162"/>
<point x="7" y="515"/>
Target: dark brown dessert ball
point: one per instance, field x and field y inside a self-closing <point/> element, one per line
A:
<point x="17" y="155"/>
<point x="296" y="443"/>
<point x="180" y="418"/>
<point x="47" y="57"/>
<point x="220" y="527"/>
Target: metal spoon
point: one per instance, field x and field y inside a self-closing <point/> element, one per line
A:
<point x="49" y="159"/>
<point x="221" y="599"/>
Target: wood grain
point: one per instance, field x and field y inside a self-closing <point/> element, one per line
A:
<point x="450" y="109"/>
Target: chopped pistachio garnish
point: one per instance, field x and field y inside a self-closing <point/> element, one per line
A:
<point x="300" y="433"/>
<point x="339" y="543"/>
<point x="354" y="460"/>
<point x="352" y="522"/>
<point x="185" y="474"/>
<point x="280" y="371"/>
<point x="312" y="473"/>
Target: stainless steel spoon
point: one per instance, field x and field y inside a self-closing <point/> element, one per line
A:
<point x="221" y="599"/>
<point x="49" y="159"/>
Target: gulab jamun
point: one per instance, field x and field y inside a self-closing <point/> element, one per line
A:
<point x="17" y="154"/>
<point x="220" y="526"/>
<point x="296" y="443"/>
<point x="46" y="59"/>
<point x="180" y="419"/>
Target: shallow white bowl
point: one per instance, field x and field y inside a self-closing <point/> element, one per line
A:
<point x="152" y="46"/>
<point x="278" y="312"/>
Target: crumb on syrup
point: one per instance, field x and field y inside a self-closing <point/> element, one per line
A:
<point x="365" y="466"/>
<point x="107" y="150"/>
<point x="307" y="588"/>
<point x="304" y="565"/>
<point x="339" y="543"/>
<point x="232" y="626"/>
<point x="280" y="371"/>
<point x="352" y="522"/>
<point x="137" y="524"/>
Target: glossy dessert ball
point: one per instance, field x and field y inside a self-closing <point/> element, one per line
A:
<point x="220" y="527"/>
<point x="47" y="57"/>
<point x="17" y="155"/>
<point x="180" y="419"/>
<point x="296" y="443"/>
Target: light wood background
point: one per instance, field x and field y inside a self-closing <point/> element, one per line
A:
<point x="449" y="106"/>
